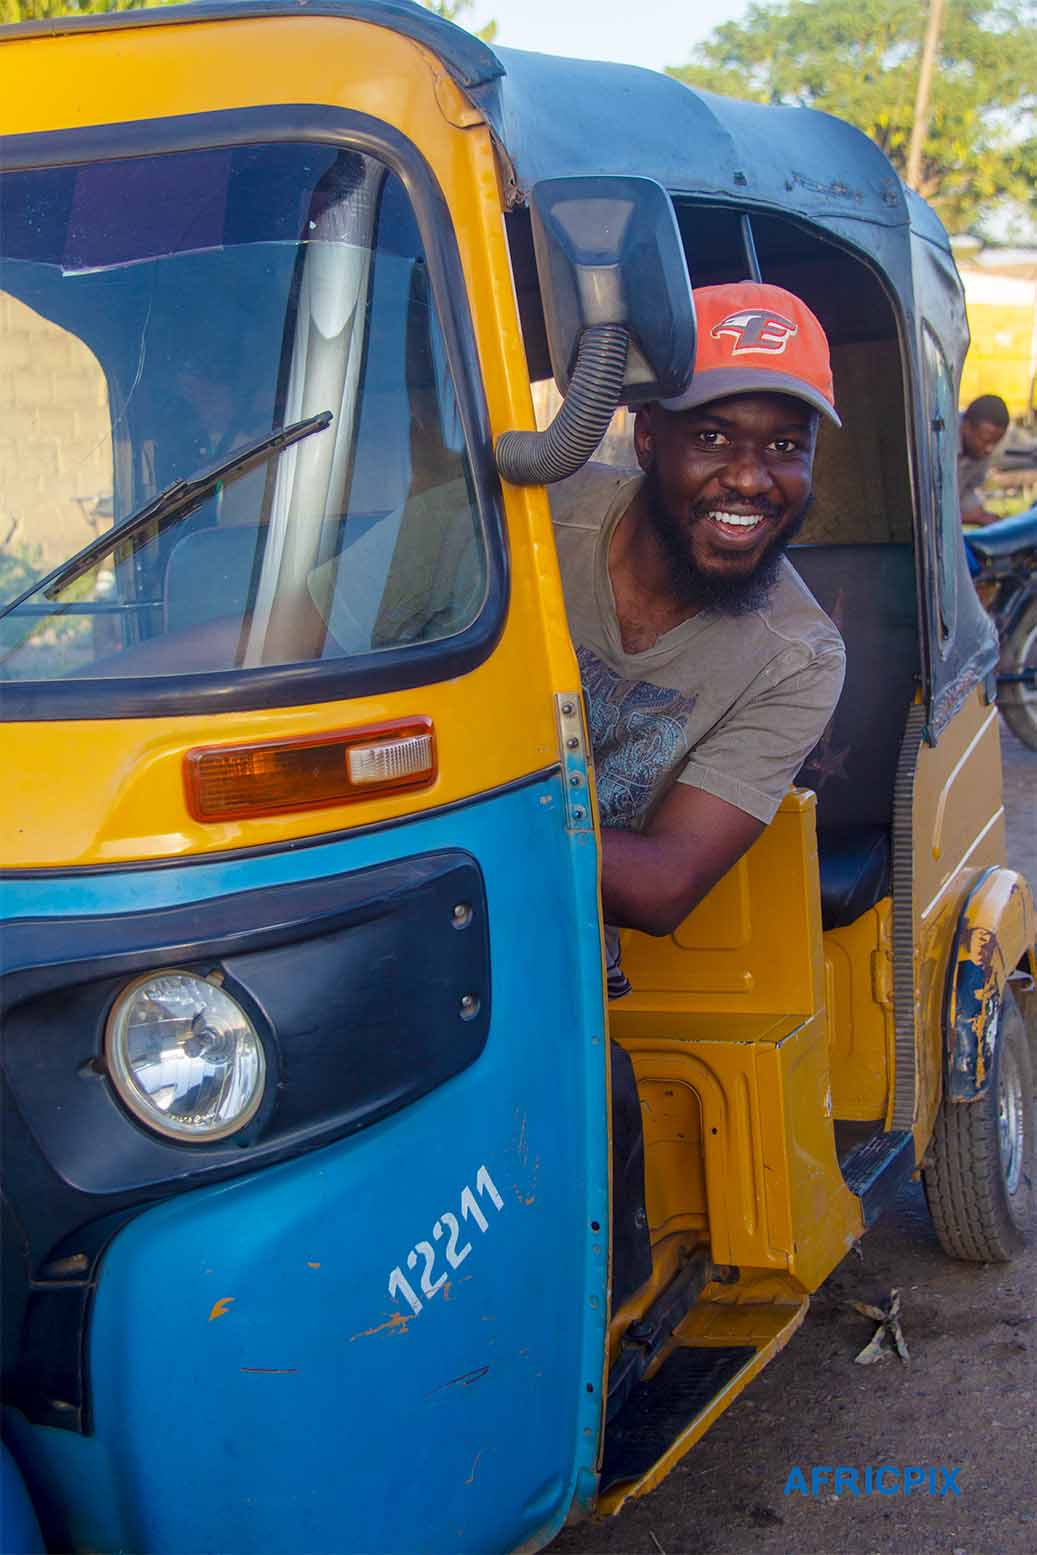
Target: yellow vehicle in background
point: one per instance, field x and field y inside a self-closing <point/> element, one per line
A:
<point x="307" y="1226"/>
<point x="1002" y="358"/>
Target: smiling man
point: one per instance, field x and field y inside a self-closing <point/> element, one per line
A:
<point x="708" y="668"/>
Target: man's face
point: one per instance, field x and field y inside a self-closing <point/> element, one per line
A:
<point x="980" y="438"/>
<point x="727" y="484"/>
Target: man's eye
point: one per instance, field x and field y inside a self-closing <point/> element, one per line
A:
<point x="711" y="438"/>
<point x="786" y="445"/>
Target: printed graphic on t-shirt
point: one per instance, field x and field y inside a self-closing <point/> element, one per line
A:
<point x="637" y="733"/>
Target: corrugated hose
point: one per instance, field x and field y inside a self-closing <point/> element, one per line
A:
<point x="537" y="458"/>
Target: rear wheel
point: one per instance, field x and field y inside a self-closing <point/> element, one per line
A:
<point x="979" y="1180"/>
<point x="1018" y="702"/>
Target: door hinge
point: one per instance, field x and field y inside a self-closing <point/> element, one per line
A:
<point x="572" y="746"/>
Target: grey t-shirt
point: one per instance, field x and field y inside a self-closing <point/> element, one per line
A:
<point x="729" y="704"/>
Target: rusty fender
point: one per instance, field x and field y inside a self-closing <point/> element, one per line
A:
<point x="995" y="935"/>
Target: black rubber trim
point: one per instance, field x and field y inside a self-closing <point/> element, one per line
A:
<point x="877" y="1169"/>
<point x="394" y="669"/>
<point x="291" y="845"/>
<point x="470" y="61"/>
<point x="658" y="1411"/>
<point x="367" y="990"/>
<point x="43" y="954"/>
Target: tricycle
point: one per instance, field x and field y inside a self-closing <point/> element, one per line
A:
<point x="307" y="1230"/>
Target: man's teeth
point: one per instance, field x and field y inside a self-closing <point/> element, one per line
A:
<point x="739" y="520"/>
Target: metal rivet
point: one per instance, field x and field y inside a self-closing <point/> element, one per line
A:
<point x="578" y="812"/>
<point x="469" y="1007"/>
<point x="568" y="709"/>
<point x="575" y="780"/>
<point x="573" y="743"/>
<point x="461" y="916"/>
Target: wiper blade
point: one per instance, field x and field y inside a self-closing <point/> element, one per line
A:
<point x="172" y="502"/>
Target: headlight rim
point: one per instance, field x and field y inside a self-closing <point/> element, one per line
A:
<point x="127" y="1094"/>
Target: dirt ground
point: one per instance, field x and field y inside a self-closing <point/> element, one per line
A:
<point x="967" y="1399"/>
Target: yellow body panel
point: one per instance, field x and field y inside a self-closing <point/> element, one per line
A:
<point x="727" y="1030"/>
<point x="493" y="725"/>
<point x="959" y="830"/>
<point x="753" y="945"/>
<point x="859" y="972"/>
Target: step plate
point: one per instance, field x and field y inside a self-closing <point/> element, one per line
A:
<point x="878" y="1169"/>
<point x="658" y="1411"/>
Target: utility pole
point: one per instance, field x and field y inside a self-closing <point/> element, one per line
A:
<point x="920" y="127"/>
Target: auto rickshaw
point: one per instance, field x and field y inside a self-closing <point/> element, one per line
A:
<point x="305" y="1056"/>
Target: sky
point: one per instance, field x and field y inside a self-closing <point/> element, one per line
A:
<point x="655" y="33"/>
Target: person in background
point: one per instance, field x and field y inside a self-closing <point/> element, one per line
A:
<point x="982" y="427"/>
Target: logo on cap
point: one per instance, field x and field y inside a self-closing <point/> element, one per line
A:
<point x="755" y="330"/>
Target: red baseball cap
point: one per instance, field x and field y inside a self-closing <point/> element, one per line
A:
<point x="754" y="338"/>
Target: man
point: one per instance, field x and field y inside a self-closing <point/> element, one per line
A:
<point x="709" y="670"/>
<point x="981" y="428"/>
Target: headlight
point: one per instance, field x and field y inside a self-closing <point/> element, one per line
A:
<point x="184" y="1057"/>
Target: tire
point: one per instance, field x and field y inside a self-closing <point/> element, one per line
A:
<point x="979" y="1176"/>
<point x="1019" y="704"/>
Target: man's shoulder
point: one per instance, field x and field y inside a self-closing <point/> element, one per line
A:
<point x="584" y="500"/>
<point x="795" y="621"/>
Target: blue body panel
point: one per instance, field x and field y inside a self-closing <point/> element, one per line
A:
<point x="255" y="1385"/>
<point x="19" y="1530"/>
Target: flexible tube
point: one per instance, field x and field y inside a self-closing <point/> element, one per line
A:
<point x="537" y="458"/>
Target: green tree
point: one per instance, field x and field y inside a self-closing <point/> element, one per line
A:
<point x="454" y="10"/>
<point x="40" y="10"/>
<point x="859" y="59"/>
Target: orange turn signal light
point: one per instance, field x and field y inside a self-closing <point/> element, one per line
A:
<point x="231" y="782"/>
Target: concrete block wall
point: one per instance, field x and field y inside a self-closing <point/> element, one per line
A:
<point x="55" y="435"/>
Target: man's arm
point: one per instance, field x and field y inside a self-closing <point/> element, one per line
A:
<point x="651" y="880"/>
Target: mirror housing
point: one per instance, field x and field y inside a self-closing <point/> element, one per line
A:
<point x="608" y="252"/>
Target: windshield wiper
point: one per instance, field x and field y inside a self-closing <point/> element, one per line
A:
<point x="172" y="502"/>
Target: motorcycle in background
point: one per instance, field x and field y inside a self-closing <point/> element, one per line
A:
<point x="1003" y="563"/>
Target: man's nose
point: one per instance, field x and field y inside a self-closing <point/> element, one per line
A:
<point x="747" y="472"/>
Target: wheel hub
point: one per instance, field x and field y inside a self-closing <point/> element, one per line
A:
<point x="1010" y="1128"/>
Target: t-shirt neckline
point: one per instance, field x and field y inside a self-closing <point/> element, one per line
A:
<point x="671" y="642"/>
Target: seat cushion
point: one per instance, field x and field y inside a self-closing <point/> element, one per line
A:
<point x="869" y="592"/>
<point x="1018" y="533"/>
<point x="855" y="871"/>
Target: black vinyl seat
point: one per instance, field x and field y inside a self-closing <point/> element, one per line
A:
<point x="856" y="865"/>
<point x="869" y="591"/>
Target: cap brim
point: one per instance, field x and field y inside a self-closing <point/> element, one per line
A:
<point x="720" y="382"/>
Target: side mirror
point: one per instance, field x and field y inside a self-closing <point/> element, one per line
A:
<point x="608" y="251"/>
<point x="618" y="311"/>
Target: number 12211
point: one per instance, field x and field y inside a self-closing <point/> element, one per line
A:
<point x="448" y="1227"/>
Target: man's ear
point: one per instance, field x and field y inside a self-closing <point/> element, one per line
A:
<point x="644" y="436"/>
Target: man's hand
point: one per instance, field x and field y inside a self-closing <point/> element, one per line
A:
<point x="980" y="516"/>
<point x="651" y="880"/>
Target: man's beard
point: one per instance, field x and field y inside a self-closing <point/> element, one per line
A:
<point x="726" y="594"/>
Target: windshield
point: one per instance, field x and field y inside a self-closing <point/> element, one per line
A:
<point x="159" y="315"/>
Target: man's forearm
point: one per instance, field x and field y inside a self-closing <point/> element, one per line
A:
<point x="652" y="880"/>
<point x="643" y="886"/>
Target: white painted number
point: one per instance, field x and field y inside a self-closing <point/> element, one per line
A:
<point x="484" y="1184"/>
<point x="428" y="1252"/>
<point x="469" y="1207"/>
<point x="399" y="1285"/>
<point x="453" y="1257"/>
